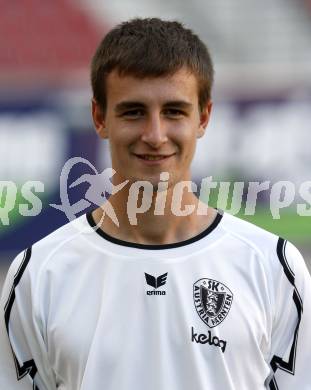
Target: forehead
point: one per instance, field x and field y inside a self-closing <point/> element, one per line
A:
<point x="181" y="85"/>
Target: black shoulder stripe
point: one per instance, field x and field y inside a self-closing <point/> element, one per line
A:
<point x="273" y="385"/>
<point x="277" y="361"/>
<point x="29" y="367"/>
<point x="280" y="249"/>
<point x="287" y="270"/>
<point x="17" y="278"/>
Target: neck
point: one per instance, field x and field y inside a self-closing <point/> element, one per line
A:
<point x="155" y="218"/>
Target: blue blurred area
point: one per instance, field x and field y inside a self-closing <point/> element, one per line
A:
<point x="23" y="231"/>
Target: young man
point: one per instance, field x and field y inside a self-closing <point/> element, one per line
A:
<point x="176" y="299"/>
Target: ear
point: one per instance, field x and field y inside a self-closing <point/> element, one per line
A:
<point x="204" y="118"/>
<point x="99" y="119"/>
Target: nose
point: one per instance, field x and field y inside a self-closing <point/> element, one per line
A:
<point x="154" y="132"/>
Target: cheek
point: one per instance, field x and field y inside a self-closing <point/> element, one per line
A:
<point x="190" y="151"/>
<point x="187" y="141"/>
<point x="124" y="134"/>
<point x="120" y="138"/>
<point x="189" y="146"/>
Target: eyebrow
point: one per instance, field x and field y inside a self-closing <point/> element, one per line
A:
<point x="178" y="104"/>
<point x="127" y="105"/>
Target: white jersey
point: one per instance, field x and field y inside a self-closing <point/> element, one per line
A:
<point x="229" y="309"/>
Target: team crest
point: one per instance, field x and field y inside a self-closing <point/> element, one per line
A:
<point x="212" y="301"/>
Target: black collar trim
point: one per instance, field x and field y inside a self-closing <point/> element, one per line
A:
<point x="191" y="240"/>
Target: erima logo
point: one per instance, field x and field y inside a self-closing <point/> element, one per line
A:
<point x="156" y="283"/>
<point x="204" y="339"/>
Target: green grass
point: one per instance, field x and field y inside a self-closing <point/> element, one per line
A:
<point x="290" y="225"/>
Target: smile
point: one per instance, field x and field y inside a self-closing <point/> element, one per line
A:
<point x="149" y="158"/>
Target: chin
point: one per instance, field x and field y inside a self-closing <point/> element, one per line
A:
<point x="153" y="180"/>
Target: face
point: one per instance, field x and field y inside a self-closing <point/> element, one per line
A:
<point x="152" y="125"/>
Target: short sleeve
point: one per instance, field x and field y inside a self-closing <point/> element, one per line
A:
<point x="290" y="358"/>
<point x="23" y="357"/>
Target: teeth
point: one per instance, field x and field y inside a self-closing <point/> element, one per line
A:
<point x="152" y="157"/>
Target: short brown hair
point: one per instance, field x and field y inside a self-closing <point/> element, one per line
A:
<point x="151" y="47"/>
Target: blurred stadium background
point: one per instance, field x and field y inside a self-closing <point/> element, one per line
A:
<point x="260" y="127"/>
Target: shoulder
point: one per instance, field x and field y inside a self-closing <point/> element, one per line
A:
<point x="277" y="255"/>
<point x="66" y="237"/>
<point x="55" y="248"/>
<point x="245" y="233"/>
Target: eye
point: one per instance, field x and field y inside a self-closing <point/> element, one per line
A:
<point x="135" y="113"/>
<point x="173" y="112"/>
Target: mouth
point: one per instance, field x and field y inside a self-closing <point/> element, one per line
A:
<point x="153" y="158"/>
